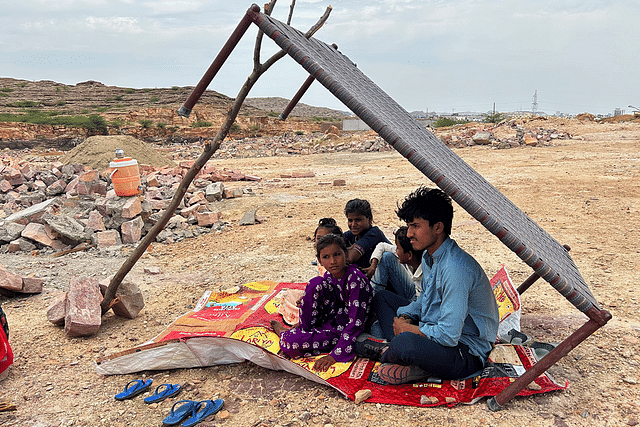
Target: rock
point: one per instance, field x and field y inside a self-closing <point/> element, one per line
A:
<point x="95" y="221"/>
<point x="339" y="182"/>
<point x="249" y="218"/>
<point x="66" y="227"/>
<point x="152" y="270"/>
<point x="129" y="298"/>
<point x="132" y="230"/>
<point x="206" y="219"/>
<point x="131" y="208"/>
<point x="21" y="244"/>
<point x="482" y="138"/>
<point x="10" y="231"/>
<point x="30" y="213"/>
<point x="57" y="310"/>
<point x="106" y="239"/>
<point x="214" y="191"/>
<point x="32" y="285"/>
<point x="10" y="281"/>
<point x="83" y="312"/>
<point x="362" y="395"/>
<point x="42" y="234"/>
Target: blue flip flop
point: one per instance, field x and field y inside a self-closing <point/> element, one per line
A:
<point x="163" y="391"/>
<point x="204" y="409"/>
<point x="134" y="388"/>
<point x="180" y="411"/>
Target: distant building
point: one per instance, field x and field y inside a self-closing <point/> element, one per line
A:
<point x="618" y="112"/>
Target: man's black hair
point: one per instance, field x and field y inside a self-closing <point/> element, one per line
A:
<point x="431" y="204"/>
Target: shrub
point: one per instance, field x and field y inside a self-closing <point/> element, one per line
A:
<point x="154" y="99"/>
<point x="130" y="91"/>
<point x="299" y="132"/>
<point x="201" y="124"/>
<point x="272" y="114"/>
<point x="6" y="89"/>
<point x="146" y="123"/>
<point x="175" y="87"/>
<point x="235" y="127"/>
<point x="494" y="118"/>
<point x="161" y="125"/>
<point x="96" y="125"/>
<point x="446" y="121"/>
<point x="24" y="104"/>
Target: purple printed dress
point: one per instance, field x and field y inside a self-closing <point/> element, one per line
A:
<point x="332" y="314"/>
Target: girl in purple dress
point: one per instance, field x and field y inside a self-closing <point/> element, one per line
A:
<point x="333" y="311"/>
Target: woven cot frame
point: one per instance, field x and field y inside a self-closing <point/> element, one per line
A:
<point x="441" y="165"/>
<point x="548" y="258"/>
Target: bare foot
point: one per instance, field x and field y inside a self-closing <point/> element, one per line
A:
<point x="278" y="327"/>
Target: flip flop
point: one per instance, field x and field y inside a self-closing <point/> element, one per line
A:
<point x="139" y="386"/>
<point x="541" y="349"/>
<point x="200" y="413"/>
<point x="160" y="394"/>
<point x="186" y="408"/>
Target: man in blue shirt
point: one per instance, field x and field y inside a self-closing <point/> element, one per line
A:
<point x="449" y="330"/>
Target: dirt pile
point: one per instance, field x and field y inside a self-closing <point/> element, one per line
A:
<point x="97" y="151"/>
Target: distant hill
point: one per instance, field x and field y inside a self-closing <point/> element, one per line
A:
<point x="92" y="97"/>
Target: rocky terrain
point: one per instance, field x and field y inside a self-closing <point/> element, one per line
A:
<point x="578" y="180"/>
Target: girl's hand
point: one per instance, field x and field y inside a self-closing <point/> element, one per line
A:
<point x="323" y="363"/>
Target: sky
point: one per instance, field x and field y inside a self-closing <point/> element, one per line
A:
<point x="429" y="55"/>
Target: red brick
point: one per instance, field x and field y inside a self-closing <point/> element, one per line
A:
<point x="89" y="176"/>
<point x="42" y="234"/>
<point x="206" y="219"/>
<point x="5" y="186"/>
<point x="105" y="239"/>
<point x="32" y="285"/>
<point x="132" y="230"/>
<point x="57" y="310"/>
<point x="83" y="313"/>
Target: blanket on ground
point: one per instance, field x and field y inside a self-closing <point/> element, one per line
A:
<point x="234" y="325"/>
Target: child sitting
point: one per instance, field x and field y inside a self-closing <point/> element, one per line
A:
<point x="362" y="236"/>
<point x="325" y="226"/>
<point x="333" y="310"/>
<point x="396" y="268"/>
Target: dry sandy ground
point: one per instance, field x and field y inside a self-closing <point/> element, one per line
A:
<point x="585" y="192"/>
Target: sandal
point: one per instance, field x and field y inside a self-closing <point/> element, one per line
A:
<point x="169" y="390"/>
<point x="139" y="386"/>
<point x="179" y="413"/>
<point x="200" y="412"/>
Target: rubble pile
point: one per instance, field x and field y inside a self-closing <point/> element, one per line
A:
<point x="63" y="206"/>
<point x="506" y="134"/>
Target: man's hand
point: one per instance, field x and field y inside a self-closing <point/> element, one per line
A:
<point x="369" y="271"/>
<point x="402" y="324"/>
<point x="322" y="364"/>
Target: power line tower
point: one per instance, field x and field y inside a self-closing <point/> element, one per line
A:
<point x="534" y="104"/>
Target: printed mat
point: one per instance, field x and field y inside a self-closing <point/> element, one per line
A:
<point x="234" y="325"/>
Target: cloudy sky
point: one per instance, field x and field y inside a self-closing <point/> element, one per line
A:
<point x="445" y="56"/>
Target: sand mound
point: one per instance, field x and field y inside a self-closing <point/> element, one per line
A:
<point x="97" y="151"/>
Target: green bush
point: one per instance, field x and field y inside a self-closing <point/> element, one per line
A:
<point x="130" y="91"/>
<point x="201" y="124"/>
<point x="161" y="125"/>
<point x="235" y="127"/>
<point x="6" y="89"/>
<point x="494" y="118"/>
<point x="154" y="99"/>
<point x="96" y="125"/>
<point x="146" y="123"/>
<point x="24" y="104"/>
<point x="175" y="87"/>
<point x="102" y="109"/>
<point x="446" y="121"/>
<point x="272" y="114"/>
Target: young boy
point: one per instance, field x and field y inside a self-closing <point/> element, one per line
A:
<point x="396" y="268"/>
<point x="362" y="236"/>
<point x="449" y="330"/>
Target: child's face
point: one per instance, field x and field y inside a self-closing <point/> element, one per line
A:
<point x="333" y="259"/>
<point x="403" y="256"/>
<point x="358" y="223"/>
<point x="322" y="231"/>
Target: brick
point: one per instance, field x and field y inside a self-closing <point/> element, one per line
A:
<point x="206" y="219"/>
<point x="39" y="185"/>
<point x="83" y="313"/>
<point x="89" y="176"/>
<point x="10" y="281"/>
<point x="56" y="188"/>
<point x="131" y="230"/>
<point x="57" y="309"/>
<point x="98" y="188"/>
<point x="339" y="182"/>
<point x="191" y="210"/>
<point x="197" y="198"/>
<point x="131" y="208"/>
<point x="32" y="285"/>
<point x="105" y="239"/>
<point x="95" y="221"/>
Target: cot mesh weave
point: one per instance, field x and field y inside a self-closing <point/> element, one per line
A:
<point x="434" y="159"/>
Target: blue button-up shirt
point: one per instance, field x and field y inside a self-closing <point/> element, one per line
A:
<point x="456" y="303"/>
